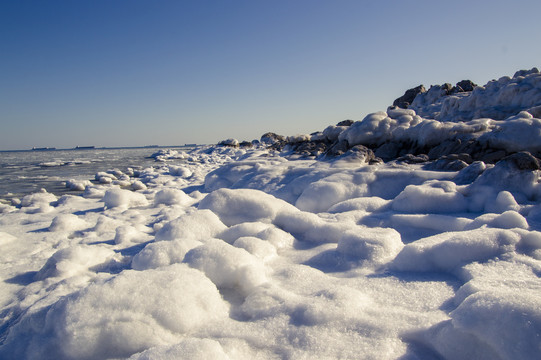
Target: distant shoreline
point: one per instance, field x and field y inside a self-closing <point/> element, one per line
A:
<point x="51" y="149"/>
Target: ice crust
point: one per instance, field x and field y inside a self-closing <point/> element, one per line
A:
<point x="250" y="253"/>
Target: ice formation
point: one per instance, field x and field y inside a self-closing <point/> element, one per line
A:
<point x="298" y="247"/>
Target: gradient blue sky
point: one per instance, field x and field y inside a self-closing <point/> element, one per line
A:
<point x="133" y="73"/>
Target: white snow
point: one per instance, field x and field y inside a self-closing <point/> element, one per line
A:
<point x="123" y="199"/>
<point x="248" y="253"/>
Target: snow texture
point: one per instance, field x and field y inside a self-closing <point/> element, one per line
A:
<point x="243" y="253"/>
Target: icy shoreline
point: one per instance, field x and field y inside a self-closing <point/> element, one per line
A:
<point x="287" y="251"/>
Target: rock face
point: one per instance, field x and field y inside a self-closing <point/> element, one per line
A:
<point x="405" y="100"/>
<point x="463" y="86"/>
<point x="345" y="123"/>
<point x="522" y="161"/>
<point x="271" y="138"/>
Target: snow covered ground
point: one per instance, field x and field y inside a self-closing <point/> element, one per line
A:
<point x="252" y="253"/>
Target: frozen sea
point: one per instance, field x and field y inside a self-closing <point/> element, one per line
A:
<point x="24" y="172"/>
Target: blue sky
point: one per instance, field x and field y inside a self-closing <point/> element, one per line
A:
<point x="134" y="73"/>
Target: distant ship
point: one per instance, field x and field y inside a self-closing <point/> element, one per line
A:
<point x="43" y="148"/>
<point x="84" y="147"/>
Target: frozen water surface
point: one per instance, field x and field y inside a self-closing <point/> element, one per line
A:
<point x="22" y="172"/>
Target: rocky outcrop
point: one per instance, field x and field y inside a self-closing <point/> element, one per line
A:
<point x="446" y="128"/>
<point x="271" y="138"/>
<point x="230" y="143"/>
<point x="463" y="86"/>
<point x="522" y="161"/>
<point x="345" y="123"/>
<point x="405" y="100"/>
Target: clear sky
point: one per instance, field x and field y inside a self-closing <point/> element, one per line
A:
<point x="141" y="72"/>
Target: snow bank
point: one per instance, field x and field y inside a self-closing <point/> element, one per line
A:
<point x="375" y="244"/>
<point x="243" y="205"/>
<point x="319" y="196"/>
<point x="120" y="316"/>
<point x="198" y="225"/>
<point x="227" y="266"/>
<point x="449" y="250"/>
<point x="431" y="197"/>
<point x="492" y="315"/>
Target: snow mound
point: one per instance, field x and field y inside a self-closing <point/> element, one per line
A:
<point x="74" y="261"/>
<point x="67" y="222"/>
<point x="243" y="205"/>
<point x="198" y="225"/>
<point x="119" y="198"/>
<point x="163" y="253"/>
<point x="121" y="316"/>
<point x="491" y="315"/>
<point x="227" y="266"/>
<point x="375" y="244"/>
<point x="171" y="196"/>
<point x="431" y="197"/>
<point x="448" y="251"/>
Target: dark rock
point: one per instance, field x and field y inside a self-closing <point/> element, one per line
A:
<point x="446" y="164"/>
<point x="447" y="88"/>
<point x="376" y="160"/>
<point x="445" y="148"/>
<point x="271" y="138"/>
<point x="405" y="100"/>
<point x="338" y="148"/>
<point x="229" y="143"/>
<point x="470" y="147"/>
<point x="246" y="144"/>
<point x="463" y="86"/>
<point x="388" y="151"/>
<point x="522" y="161"/>
<point x="310" y="148"/>
<point x="526" y="72"/>
<point x="492" y="157"/>
<point x="462" y="157"/>
<point x="535" y="111"/>
<point x="456" y="146"/>
<point x="413" y="159"/>
<point x="345" y="123"/>
<point x="470" y="173"/>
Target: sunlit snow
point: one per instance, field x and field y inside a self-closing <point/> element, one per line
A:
<point x="257" y="254"/>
